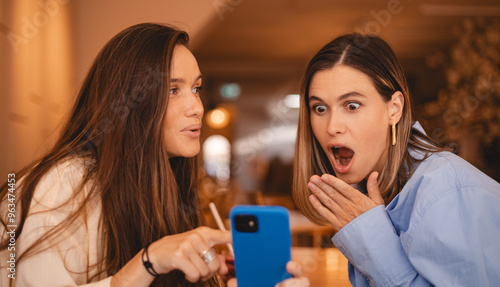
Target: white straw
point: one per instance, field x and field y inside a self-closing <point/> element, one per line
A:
<point x="216" y="215"/>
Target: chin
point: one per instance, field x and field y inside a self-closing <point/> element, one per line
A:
<point x="186" y="152"/>
<point x="349" y="178"/>
<point x="192" y="152"/>
<point x="191" y="155"/>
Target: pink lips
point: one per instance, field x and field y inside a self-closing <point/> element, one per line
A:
<point x="192" y="131"/>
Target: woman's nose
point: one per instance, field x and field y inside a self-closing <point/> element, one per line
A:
<point x="194" y="107"/>
<point x="336" y="125"/>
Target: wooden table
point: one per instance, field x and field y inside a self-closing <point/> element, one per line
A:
<point x="300" y="225"/>
<point x="323" y="266"/>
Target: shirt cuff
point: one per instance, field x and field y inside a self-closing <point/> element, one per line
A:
<point x="372" y="246"/>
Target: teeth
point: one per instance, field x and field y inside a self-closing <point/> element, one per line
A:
<point x="345" y="161"/>
<point x="335" y="152"/>
<point x="342" y="161"/>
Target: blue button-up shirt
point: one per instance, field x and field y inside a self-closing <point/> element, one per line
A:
<point x="442" y="229"/>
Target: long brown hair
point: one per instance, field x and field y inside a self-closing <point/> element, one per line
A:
<point x="375" y="58"/>
<point x="117" y="124"/>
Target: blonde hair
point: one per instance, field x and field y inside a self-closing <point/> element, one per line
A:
<point x="375" y="58"/>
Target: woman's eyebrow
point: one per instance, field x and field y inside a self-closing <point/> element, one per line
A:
<point x="177" y="80"/>
<point x="315" y="98"/>
<point x="341" y="98"/>
<point x="350" y="95"/>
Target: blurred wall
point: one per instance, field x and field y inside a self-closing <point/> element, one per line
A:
<point x="36" y="77"/>
<point x="97" y="21"/>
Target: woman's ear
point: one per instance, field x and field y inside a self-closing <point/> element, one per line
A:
<point x="396" y="105"/>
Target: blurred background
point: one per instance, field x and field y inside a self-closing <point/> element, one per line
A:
<point x="252" y="54"/>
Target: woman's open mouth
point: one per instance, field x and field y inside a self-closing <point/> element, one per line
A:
<point x="342" y="158"/>
<point x="192" y="131"/>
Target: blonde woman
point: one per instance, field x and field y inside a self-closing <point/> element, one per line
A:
<point x="406" y="211"/>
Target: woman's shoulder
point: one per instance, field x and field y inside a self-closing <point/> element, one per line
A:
<point x="443" y="181"/>
<point x="69" y="167"/>
<point x="452" y="171"/>
<point x="60" y="182"/>
<point x="444" y="174"/>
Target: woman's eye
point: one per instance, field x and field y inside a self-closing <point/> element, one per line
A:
<point x="174" y="91"/>
<point x="319" y="109"/>
<point x="197" y="90"/>
<point x="352" y="106"/>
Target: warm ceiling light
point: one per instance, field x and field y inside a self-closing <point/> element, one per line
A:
<point x="218" y="118"/>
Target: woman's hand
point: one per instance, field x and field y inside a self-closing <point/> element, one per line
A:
<point x="183" y="252"/>
<point x="338" y="202"/>
<point x="293" y="268"/>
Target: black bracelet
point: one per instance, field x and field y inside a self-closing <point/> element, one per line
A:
<point x="147" y="264"/>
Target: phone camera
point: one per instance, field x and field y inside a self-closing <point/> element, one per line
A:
<point x="246" y="223"/>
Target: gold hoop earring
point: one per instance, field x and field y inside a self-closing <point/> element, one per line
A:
<point x="393" y="134"/>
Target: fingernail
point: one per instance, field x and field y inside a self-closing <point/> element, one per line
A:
<point x="312" y="198"/>
<point x="324" y="178"/>
<point x="311" y="186"/>
<point x="315" y="179"/>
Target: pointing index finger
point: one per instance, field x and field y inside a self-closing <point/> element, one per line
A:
<point x="214" y="236"/>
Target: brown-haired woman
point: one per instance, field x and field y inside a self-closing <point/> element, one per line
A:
<point x="114" y="203"/>
<point x="358" y="149"/>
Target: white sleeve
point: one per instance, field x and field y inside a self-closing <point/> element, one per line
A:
<point x="73" y="257"/>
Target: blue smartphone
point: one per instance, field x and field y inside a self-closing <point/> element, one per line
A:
<point x="262" y="244"/>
